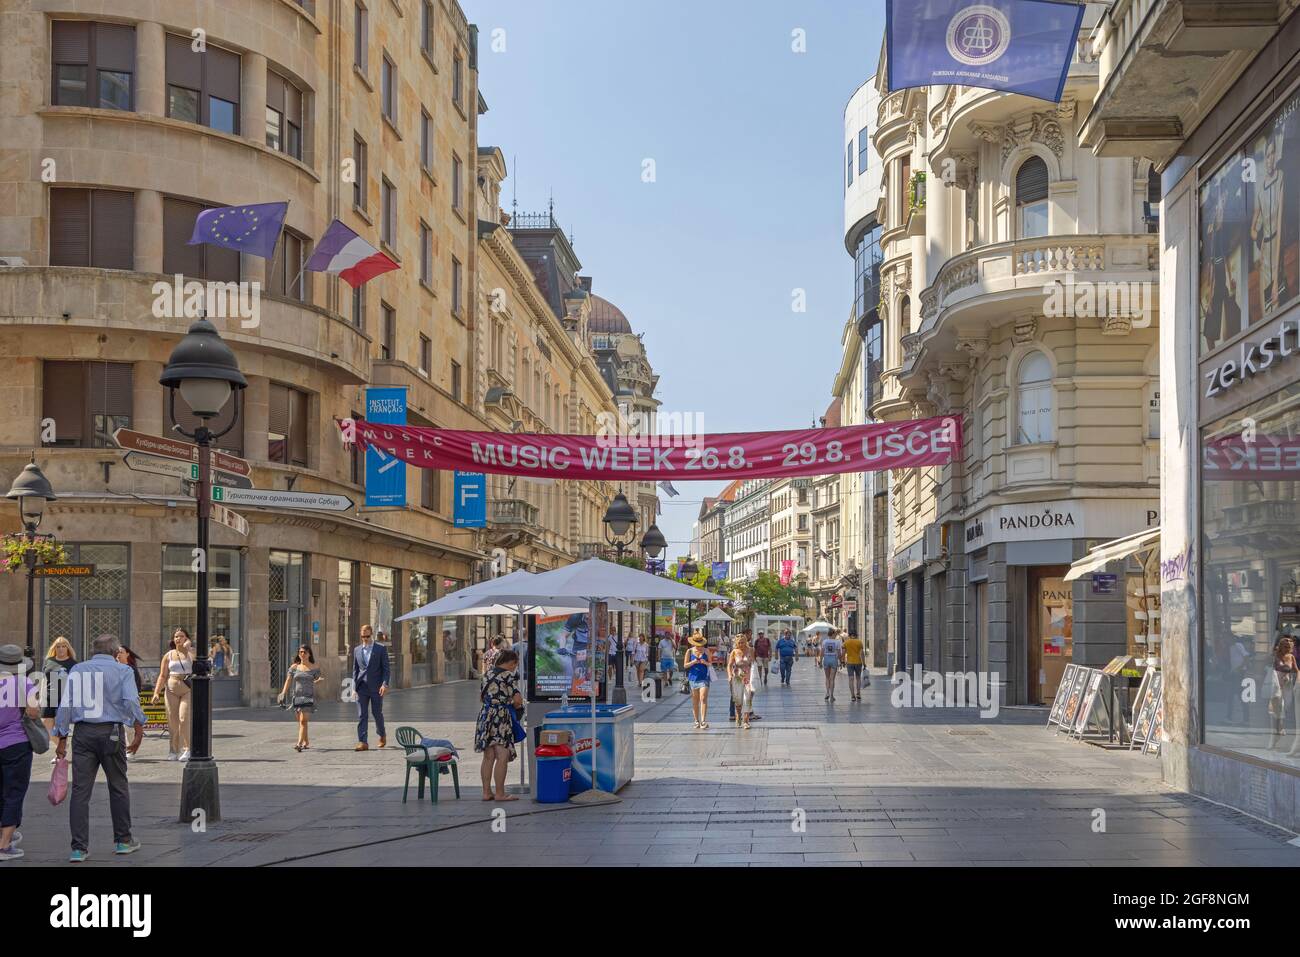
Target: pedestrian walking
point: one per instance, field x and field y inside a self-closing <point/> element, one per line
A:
<point x="300" y="689"/>
<point x="59" y="660"/>
<point x="667" y="657"/>
<point x="740" y="667"/>
<point x="176" y="679"/>
<point x="495" y="732"/>
<point x="221" y="655"/>
<point x="699" y="675"/>
<point x="786" y="649"/>
<point x="763" y="655"/>
<point x="641" y="658"/>
<point x="129" y="658"/>
<point x="489" y="659"/>
<point x="101" y="720"/>
<point x="370" y="677"/>
<point x="830" y="652"/>
<point x="854" y="658"/>
<point x="18" y="699"/>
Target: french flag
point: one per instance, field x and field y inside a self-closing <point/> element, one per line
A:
<point x="343" y="252"/>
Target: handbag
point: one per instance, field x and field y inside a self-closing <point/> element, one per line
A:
<point x="38" y="736"/>
<point x="516" y="729"/>
<point x="58" y="781"/>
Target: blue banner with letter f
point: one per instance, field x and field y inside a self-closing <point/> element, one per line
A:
<point x="1016" y="46"/>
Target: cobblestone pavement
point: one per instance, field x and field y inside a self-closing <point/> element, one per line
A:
<point x="876" y="785"/>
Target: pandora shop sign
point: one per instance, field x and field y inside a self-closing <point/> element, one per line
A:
<point x="1043" y="521"/>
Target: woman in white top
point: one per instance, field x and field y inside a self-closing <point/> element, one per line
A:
<point x="641" y="657"/>
<point x="174" y="674"/>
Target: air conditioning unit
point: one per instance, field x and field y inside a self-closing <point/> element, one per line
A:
<point x="13" y="261"/>
<point x="935" y="547"/>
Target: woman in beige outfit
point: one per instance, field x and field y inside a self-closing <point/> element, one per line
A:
<point x="174" y="674"/>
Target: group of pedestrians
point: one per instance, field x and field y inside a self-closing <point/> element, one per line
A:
<point x="835" y="653"/>
<point x="104" y="704"/>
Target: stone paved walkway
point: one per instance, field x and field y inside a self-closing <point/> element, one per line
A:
<point x="875" y="785"/>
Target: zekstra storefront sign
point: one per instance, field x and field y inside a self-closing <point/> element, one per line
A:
<point x="1252" y="357"/>
<point x="1045" y="521"/>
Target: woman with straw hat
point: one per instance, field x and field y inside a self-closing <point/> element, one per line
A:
<point x="698" y="676"/>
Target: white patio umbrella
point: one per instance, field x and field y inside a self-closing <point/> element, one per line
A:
<point x="716" y="614"/>
<point x="818" y="626"/>
<point x="596" y="580"/>
<point x="475" y="594"/>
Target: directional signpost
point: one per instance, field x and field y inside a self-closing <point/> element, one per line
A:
<point x="175" y="468"/>
<point x="63" y="571"/>
<point x="272" y="498"/>
<point x="169" y="448"/>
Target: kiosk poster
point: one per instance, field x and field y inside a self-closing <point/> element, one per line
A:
<point x="561" y="647"/>
<point x="1089" y="702"/>
<point x="1062" y="692"/>
<point x="1074" y="698"/>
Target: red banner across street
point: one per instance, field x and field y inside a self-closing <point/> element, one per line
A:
<point x="729" y="455"/>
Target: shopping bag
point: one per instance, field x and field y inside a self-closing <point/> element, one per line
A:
<point x="59" y="781"/>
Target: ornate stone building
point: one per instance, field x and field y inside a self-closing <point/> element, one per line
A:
<point x="1017" y="292"/>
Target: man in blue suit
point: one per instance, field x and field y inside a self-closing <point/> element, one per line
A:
<point x="370" y="681"/>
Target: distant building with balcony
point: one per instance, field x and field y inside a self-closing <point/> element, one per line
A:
<point x="1017" y="292"/>
<point x="747" y="533"/>
<point x="824" y="548"/>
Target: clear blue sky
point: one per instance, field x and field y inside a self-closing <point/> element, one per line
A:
<point x="747" y="140"/>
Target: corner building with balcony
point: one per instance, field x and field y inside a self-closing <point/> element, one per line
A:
<point x="119" y="122"/>
<point x="1017" y="292"/>
<point x="1211" y="93"/>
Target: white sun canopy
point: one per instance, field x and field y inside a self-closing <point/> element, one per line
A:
<point x="1103" y="555"/>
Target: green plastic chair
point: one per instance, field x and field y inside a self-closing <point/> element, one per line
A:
<point x="425" y="765"/>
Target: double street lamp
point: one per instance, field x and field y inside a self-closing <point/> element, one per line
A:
<point x="32" y="490"/>
<point x="620" y="525"/>
<point x="205" y="371"/>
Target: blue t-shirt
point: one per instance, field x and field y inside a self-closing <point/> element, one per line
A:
<point x="699" y="670"/>
<point x="786" y="648"/>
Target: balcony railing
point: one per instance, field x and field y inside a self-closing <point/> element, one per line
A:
<point x="513" y="512"/>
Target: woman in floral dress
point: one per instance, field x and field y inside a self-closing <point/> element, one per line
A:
<point x="494" y="734"/>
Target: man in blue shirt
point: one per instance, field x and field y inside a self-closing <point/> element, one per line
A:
<point x="100" y="697"/>
<point x="785" y="650"/>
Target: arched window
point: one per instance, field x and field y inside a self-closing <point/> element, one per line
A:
<point x="1031" y="198"/>
<point x="1034" y="399"/>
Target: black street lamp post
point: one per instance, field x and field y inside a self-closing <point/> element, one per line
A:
<point x="32" y="490"/>
<point x="205" y="371"/>
<point x="688" y="570"/>
<point x="620" y="520"/>
<point x="653" y="543"/>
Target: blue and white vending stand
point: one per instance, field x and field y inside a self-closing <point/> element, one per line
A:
<point x="615" y="753"/>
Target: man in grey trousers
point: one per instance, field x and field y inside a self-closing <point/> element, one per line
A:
<point x="100" y="698"/>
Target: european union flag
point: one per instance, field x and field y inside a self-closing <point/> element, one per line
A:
<point x="250" y="229"/>
<point x="1016" y="46"/>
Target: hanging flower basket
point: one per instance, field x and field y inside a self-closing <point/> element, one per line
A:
<point x="46" y="549"/>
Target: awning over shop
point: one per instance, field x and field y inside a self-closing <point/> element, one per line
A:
<point x="1102" y="555"/>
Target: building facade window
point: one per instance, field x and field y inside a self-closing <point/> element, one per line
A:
<point x="94" y="64"/>
<point x="864" y="149"/>
<point x="202" y="261"/>
<point x="361" y="184"/>
<point x="455" y="286"/>
<point x="287" y="421"/>
<point x="426" y="141"/>
<point x="388" y="331"/>
<point x="360" y="37"/>
<point x="430" y="487"/>
<point x="1034" y="400"/>
<point x="426" y="27"/>
<point x="848" y="165"/>
<point x="455" y="380"/>
<point x="359" y="307"/>
<point x="387" y="213"/>
<point x="456" y="171"/>
<point x="82" y="609"/>
<point x="458" y="82"/>
<point x="87" y="401"/>
<point x="284" y="115"/>
<point x="426" y="354"/>
<point x="286" y="274"/>
<point x="383" y="582"/>
<point x="92" y="227"/>
<point x="426" y="255"/>
<point x="286" y="611"/>
<point x="421" y="593"/>
<point x="388" y="89"/>
<point x="203" y="88"/>
<point x="1031" y="198"/>
<point x="225" y="602"/>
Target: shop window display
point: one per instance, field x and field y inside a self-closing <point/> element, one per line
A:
<point x="1250" y="576"/>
